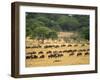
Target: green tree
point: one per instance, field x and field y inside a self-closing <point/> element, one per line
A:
<point x="68" y="23"/>
<point x="41" y="33"/>
<point x="85" y="33"/>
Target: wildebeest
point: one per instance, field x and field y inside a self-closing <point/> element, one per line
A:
<point x="28" y="57"/>
<point x="34" y="57"/>
<point x="69" y="51"/>
<point x="79" y="54"/>
<point x="42" y="56"/>
<point x="60" y="51"/>
<point x="69" y="45"/>
<point x="55" y="55"/>
<point x="28" y="46"/>
<point x="49" y="52"/>
<point x="65" y="51"/>
<point x="88" y="49"/>
<point x="87" y="53"/>
<point x="75" y="45"/>
<point x="71" y="54"/>
<point x="56" y="46"/>
<point x="40" y="52"/>
<point x="74" y="50"/>
<point x="63" y="45"/>
<point x="33" y="52"/>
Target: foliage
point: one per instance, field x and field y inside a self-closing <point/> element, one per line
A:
<point x="45" y="25"/>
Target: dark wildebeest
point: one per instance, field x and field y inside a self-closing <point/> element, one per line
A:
<point x="28" y="57"/>
<point x="40" y="52"/>
<point x="33" y="52"/>
<point x="69" y="45"/>
<point x="42" y="56"/>
<point x="87" y="53"/>
<point x="71" y="54"/>
<point x="49" y="52"/>
<point x="79" y="54"/>
<point x="63" y="45"/>
<point x="34" y="56"/>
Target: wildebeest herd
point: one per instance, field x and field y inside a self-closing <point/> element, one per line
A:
<point x="56" y="53"/>
<point x="68" y="49"/>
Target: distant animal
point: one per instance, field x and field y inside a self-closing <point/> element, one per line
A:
<point x="74" y="50"/>
<point x="49" y="52"/>
<point x="88" y="49"/>
<point x="71" y="54"/>
<point x="60" y="51"/>
<point x="56" y="46"/>
<point x="40" y="52"/>
<point x="28" y="57"/>
<point x="34" y="56"/>
<point x="79" y="54"/>
<point x="28" y="46"/>
<point x="63" y="45"/>
<point x="42" y="56"/>
<point x="69" y="45"/>
<point x="33" y="52"/>
<point x="87" y="53"/>
<point x="65" y="51"/>
<point x="75" y="45"/>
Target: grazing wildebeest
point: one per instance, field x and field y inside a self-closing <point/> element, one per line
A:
<point x="69" y="45"/>
<point x="75" y="45"/>
<point x="69" y="51"/>
<point x="40" y="52"/>
<point x="49" y="52"/>
<point x="33" y="52"/>
<point x="28" y="57"/>
<point x="63" y="45"/>
<point x="50" y="56"/>
<point x="56" y="46"/>
<point x="39" y="46"/>
<point x="42" y="56"/>
<point x="74" y="50"/>
<point x="28" y="46"/>
<point x="46" y="46"/>
<point x="65" y="51"/>
<point x="81" y="50"/>
<point x="71" y="54"/>
<point x="60" y="55"/>
<point x="87" y="53"/>
<point x="34" y="56"/>
<point x="79" y="54"/>
<point x="88" y="49"/>
<point x="60" y="51"/>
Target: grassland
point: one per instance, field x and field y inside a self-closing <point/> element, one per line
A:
<point x="56" y="53"/>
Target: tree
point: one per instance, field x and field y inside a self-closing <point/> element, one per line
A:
<point x="52" y="34"/>
<point x="85" y="33"/>
<point x="41" y="33"/>
<point x="68" y="23"/>
<point x="31" y="24"/>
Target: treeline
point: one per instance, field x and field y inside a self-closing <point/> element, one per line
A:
<point x="45" y="25"/>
